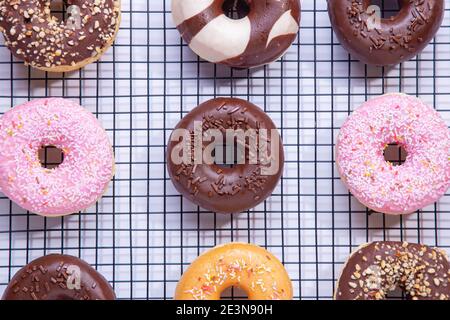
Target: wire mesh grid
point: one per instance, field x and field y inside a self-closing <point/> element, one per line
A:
<point x="142" y="234"/>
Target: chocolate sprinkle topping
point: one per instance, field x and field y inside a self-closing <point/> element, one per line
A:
<point x="47" y="278"/>
<point x="221" y="189"/>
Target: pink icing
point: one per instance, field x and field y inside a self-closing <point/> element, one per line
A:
<point x="78" y="182"/>
<point x="402" y="119"/>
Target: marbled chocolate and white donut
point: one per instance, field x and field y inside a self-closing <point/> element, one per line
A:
<point x="259" y="38"/>
<point x="376" y="269"/>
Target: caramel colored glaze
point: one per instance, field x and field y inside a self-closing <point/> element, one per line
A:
<point x="262" y="15"/>
<point x="36" y="37"/>
<point x="217" y="188"/>
<point x="251" y="268"/>
<point x="48" y="278"/>
<point x="376" y="269"/>
<point x="398" y="38"/>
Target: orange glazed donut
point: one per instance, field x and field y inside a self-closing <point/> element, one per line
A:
<point x="251" y="268"/>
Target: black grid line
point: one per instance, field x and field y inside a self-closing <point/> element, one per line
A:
<point x="142" y="234"/>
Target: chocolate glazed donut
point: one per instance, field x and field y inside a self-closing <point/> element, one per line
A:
<point x="377" y="268"/>
<point x="261" y="37"/>
<point x="219" y="188"/>
<point x="382" y="41"/>
<point x="58" y="277"/>
<point x="42" y="41"/>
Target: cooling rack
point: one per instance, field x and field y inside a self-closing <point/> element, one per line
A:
<point x="143" y="234"/>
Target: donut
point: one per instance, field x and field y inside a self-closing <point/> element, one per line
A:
<point x="78" y="182"/>
<point x="37" y="37"/>
<point x="259" y="38"/>
<point x="399" y="119"/>
<point x="58" y="277"/>
<point x="219" y="188"/>
<point x="251" y="268"/>
<point x="378" y="268"/>
<point x="385" y="41"/>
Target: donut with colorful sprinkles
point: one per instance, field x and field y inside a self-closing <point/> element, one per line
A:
<point x="88" y="159"/>
<point x="251" y="268"/>
<point x="408" y="122"/>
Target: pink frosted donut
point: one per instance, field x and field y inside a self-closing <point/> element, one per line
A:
<point x="78" y="182"/>
<point x="394" y="118"/>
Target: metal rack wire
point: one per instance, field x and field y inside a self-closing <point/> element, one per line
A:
<point x="142" y="234"/>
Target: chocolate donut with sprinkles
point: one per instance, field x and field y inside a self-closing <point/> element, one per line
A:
<point x="58" y="277"/>
<point x="246" y="266"/>
<point x="372" y="39"/>
<point x="376" y="269"/>
<point x="257" y="38"/>
<point x="217" y="185"/>
<point x="44" y="42"/>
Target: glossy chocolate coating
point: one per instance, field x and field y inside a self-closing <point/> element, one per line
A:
<point x="218" y="188"/>
<point x="376" y="269"/>
<point x="263" y="15"/>
<point x="52" y="277"/>
<point x="396" y="39"/>
<point x="36" y="37"/>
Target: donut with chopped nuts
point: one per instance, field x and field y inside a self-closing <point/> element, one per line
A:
<point x="378" y="268"/>
<point x="372" y="39"/>
<point x="249" y="140"/>
<point x="262" y="33"/>
<point x="44" y="42"/>
<point x="247" y="266"/>
<point x="58" y="277"/>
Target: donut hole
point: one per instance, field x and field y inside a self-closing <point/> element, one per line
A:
<point x="395" y="154"/>
<point x="234" y="293"/>
<point x="50" y="157"/>
<point x="388" y="9"/>
<point x="236" y="9"/>
<point x="228" y="155"/>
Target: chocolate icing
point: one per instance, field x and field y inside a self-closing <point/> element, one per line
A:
<point x="397" y="39"/>
<point x="377" y="268"/>
<point x="217" y="188"/>
<point x="51" y="278"/>
<point x="33" y="35"/>
<point x="262" y="15"/>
